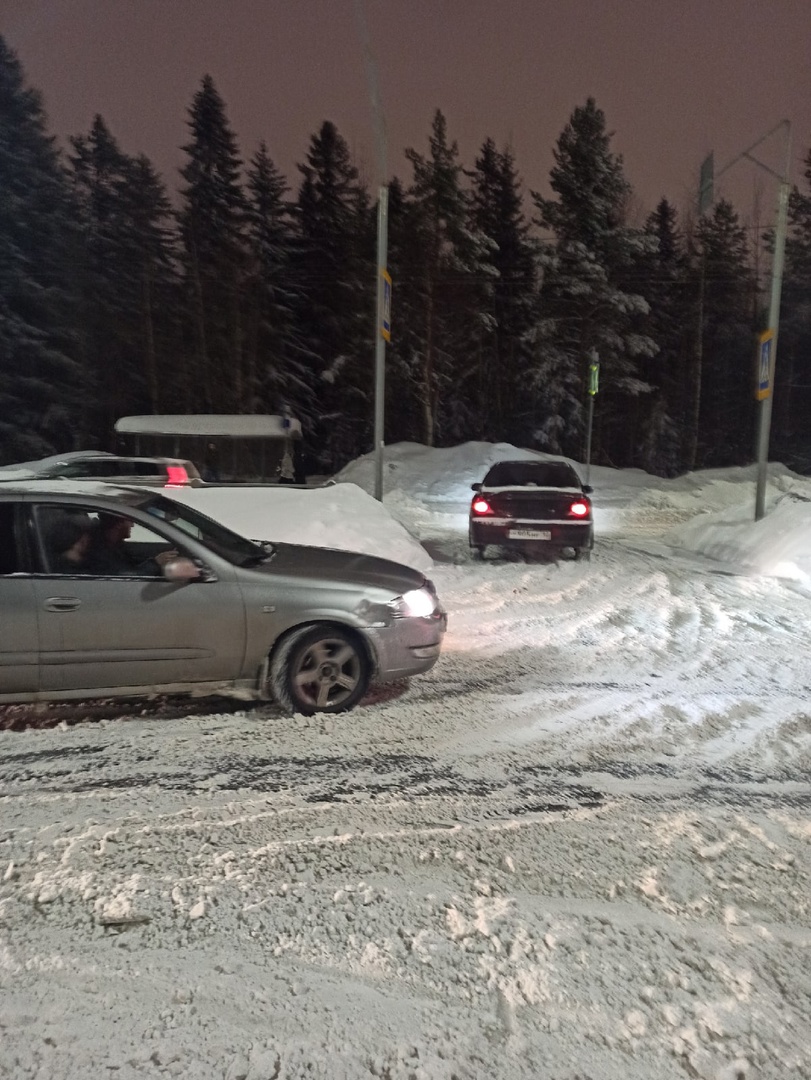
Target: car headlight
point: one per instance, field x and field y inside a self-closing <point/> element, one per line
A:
<point x="415" y="604"/>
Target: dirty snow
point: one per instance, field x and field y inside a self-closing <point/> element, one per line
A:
<point x="578" y="848"/>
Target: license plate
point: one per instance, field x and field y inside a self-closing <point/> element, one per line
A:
<point x="530" y="534"/>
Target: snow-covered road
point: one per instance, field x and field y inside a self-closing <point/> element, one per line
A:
<point x="578" y="848"/>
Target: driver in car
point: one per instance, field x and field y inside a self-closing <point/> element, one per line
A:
<point x="107" y="555"/>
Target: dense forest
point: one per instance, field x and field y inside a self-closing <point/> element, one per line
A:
<point x="237" y="292"/>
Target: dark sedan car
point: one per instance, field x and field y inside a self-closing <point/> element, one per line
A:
<point x="185" y="605"/>
<point x="536" y="507"/>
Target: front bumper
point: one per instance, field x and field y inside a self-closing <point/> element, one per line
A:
<point x="407" y="646"/>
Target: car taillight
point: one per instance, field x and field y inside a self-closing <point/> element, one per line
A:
<point x="176" y="476"/>
<point x="481" y="506"/>
<point x="579" y="508"/>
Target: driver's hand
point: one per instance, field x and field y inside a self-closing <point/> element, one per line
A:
<point x="163" y="557"/>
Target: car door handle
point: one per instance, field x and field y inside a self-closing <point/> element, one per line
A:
<point x="62" y="603"/>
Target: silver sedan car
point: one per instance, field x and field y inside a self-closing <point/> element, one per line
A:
<point x="120" y="592"/>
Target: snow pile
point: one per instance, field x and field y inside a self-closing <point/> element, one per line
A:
<point x="779" y="544"/>
<point x="433" y="475"/>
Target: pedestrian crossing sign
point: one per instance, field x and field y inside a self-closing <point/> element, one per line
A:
<point x="385" y="326"/>
<point x="764" y="369"/>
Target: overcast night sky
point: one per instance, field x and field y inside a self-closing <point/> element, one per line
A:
<point x="675" y="78"/>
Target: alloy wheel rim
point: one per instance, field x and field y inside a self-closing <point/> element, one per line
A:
<point x="328" y="672"/>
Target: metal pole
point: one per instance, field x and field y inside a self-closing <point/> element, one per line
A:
<point x="593" y="386"/>
<point x="380" y="341"/>
<point x="765" y="411"/>
<point x="382" y="246"/>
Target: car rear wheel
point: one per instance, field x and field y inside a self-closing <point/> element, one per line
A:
<point x="320" y="669"/>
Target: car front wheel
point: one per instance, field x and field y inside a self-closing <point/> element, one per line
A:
<point x="320" y="669"/>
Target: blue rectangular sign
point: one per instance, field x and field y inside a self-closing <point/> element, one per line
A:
<point x="764" y="357"/>
<point x="385" y="329"/>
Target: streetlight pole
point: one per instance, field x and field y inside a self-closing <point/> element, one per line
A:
<point x="767" y="385"/>
<point x="778" y="259"/>
<point x="383" y="281"/>
<point x="381" y="333"/>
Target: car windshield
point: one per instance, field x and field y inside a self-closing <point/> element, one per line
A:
<point x="229" y="545"/>
<point x="532" y="473"/>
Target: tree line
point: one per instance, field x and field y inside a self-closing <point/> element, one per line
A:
<point x="240" y="294"/>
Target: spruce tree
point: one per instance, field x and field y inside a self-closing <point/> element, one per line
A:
<point x="404" y="372"/>
<point x="664" y="413"/>
<point x="792" y="392"/>
<point x="40" y="378"/>
<point x="505" y="406"/>
<point x="455" y="284"/>
<point x="212" y="221"/>
<point x="334" y="268"/>
<point x="150" y="249"/>
<point x="726" y="426"/>
<point x="107" y="276"/>
<point x="588" y="306"/>
<point x="274" y="375"/>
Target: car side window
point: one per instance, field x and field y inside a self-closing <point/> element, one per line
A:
<point x="74" y="469"/>
<point x="102" y="468"/>
<point x="10" y="561"/>
<point x="79" y="542"/>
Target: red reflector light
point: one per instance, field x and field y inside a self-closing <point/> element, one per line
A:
<point x="176" y="476"/>
<point x="579" y="508"/>
<point x="481" y="506"/>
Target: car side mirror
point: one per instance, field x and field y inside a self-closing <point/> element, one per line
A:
<point x="587" y="489"/>
<point x="181" y="569"/>
<point x="475" y="487"/>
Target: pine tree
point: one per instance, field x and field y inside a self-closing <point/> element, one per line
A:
<point x="40" y="377"/>
<point x="454" y="283"/>
<point x="586" y="306"/>
<point x="335" y="269"/>
<point x="212" y="227"/>
<point x="506" y="411"/>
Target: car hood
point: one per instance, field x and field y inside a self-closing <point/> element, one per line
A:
<point x="348" y="567"/>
